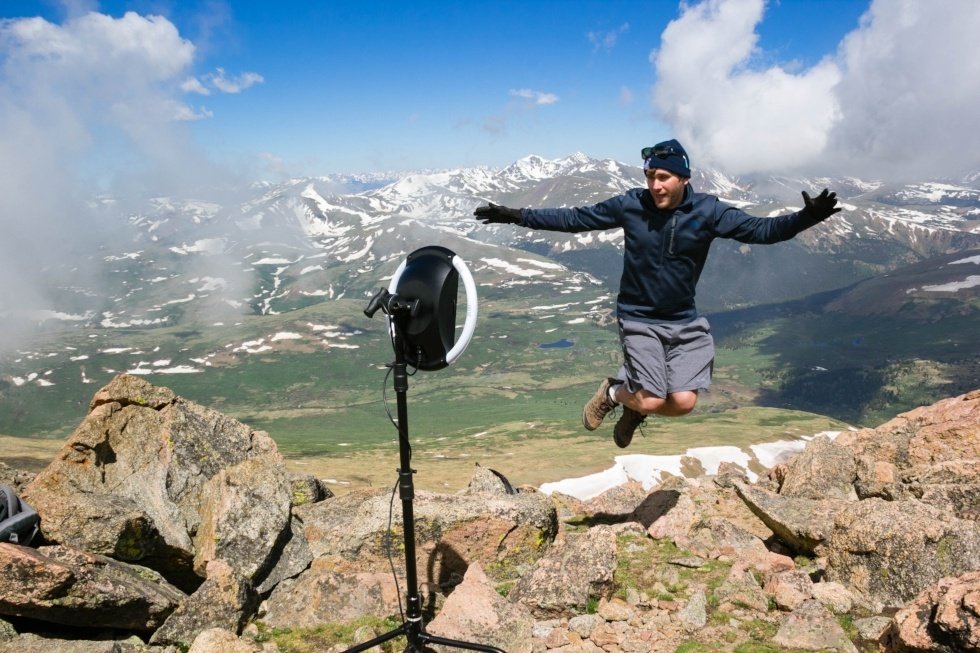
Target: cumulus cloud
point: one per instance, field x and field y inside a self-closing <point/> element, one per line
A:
<point x="89" y="105"/>
<point x="910" y="90"/>
<point x="906" y="79"/>
<point x="95" y="86"/>
<point x="741" y="119"/>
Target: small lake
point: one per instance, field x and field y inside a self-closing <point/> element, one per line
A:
<point x="564" y="343"/>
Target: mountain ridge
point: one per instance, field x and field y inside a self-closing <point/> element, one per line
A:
<point x="190" y="281"/>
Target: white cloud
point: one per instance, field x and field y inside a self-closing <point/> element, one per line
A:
<point x="606" y="40"/>
<point x="220" y="81"/>
<point x="90" y="104"/>
<point x="537" y="98"/>
<point x="184" y="113"/>
<point x="906" y="81"/>
<point x="147" y="47"/>
<point x="225" y="84"/>
<point x="743" y="120"/>
<point x="910" y="90"/>
<point x="194" y="85"/>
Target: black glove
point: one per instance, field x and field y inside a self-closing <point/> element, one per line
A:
<point x="822" y="206"/>
<point x="494" y="213"/>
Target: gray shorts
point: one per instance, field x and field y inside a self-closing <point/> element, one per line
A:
<point x="666" y="358"/>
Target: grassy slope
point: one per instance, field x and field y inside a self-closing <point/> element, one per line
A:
<point x="507" y="392"/>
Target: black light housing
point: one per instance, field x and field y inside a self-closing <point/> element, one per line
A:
<point x="429" y="277"/>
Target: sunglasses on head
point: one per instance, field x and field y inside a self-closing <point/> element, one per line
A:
<point x="661" y="152"/>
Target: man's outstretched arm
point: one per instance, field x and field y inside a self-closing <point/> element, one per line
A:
<point x="738" y="225"/>
<point x="604" y="215"/>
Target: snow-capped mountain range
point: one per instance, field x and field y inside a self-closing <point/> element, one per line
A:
<point x="228" y="294"/>
<point x="307" y="240"/>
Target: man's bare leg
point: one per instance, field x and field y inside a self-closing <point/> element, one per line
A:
<point x="637" y="405"/>
<point x="644" y="402"/>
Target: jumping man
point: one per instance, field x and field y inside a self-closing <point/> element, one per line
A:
<point x="668" y="352"/>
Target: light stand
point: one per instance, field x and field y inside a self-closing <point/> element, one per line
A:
<point x="400" y="311"/>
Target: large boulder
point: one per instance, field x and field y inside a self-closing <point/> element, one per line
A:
<point x="803" y="524"/>
<point x="244" y="512"/>
<point x="576" y="570"/>
<point x="824" y="470"/>
<point x="944" y="617"/>
<point x="889" y="551"/>
<point x="322" y="594"/>
<point x="476" y="613"/>
<point x="61" y="585"/>
<point x="294" y="558"/>
<point x="225" y="600"/>
<point x="675" y="516"/>
<point x="451" y="531"/>
<point x="891" y="456"/>
<point x="150" y="477"/>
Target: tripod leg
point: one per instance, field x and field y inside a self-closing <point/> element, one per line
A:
<point x="469" y="646"/>
<point x="397" y="632"/>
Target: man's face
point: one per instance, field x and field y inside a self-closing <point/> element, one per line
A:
<point x="666" y="187"/>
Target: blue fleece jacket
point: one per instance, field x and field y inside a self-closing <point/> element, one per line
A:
<point x="665" y="251"/>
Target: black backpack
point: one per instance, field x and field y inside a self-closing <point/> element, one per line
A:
<point x="18" y="521"/>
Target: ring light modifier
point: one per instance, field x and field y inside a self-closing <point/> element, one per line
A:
<point x="431" y="275"/>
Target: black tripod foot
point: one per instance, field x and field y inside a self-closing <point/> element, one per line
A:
<point x="418" y="641"/>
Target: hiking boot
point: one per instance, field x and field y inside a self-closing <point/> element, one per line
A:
<point x="626" y="426"/>
<point x="598" y="407"/>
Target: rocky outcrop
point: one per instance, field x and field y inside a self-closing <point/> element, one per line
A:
<point x="577" y="569"/>
<point x="451" y="531"/>
<point x="914" y="515"/>
<point x="888" y="551"/>
<point x="944" y="617"/>
<point x="804" y="525"/>
<point x="476" y="612"/>
<point x="152" y="478"/>
<point x="66" y="586"/>
<point x="931" y="453"/>
<point x="151" y="484"/>
<point x="223" y="548"/>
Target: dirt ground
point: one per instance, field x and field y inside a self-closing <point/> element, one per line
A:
<point x="527" y="462"/>
<point x="525" y="453"/>
<point x="444" y="469"/>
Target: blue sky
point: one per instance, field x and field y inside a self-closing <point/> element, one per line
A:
<point x="276" y="89"/>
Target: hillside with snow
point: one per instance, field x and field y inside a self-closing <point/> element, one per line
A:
<point x="181" y="271"/>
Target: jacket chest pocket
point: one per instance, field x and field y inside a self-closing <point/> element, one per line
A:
<point x="683" y="238"/>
